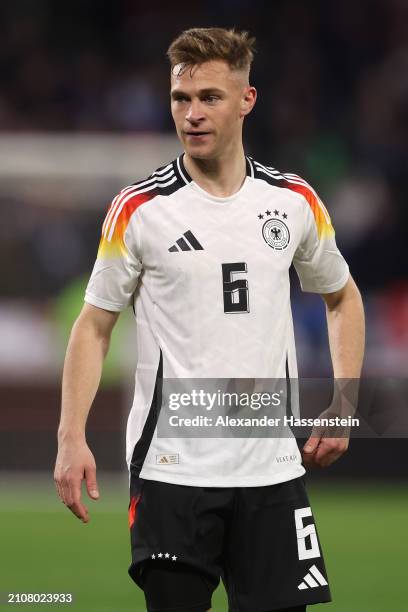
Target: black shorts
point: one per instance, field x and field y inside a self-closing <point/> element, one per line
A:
<point x="261" y="541"/>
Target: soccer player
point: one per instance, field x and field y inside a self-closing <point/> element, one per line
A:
<point x="202" y="249"/>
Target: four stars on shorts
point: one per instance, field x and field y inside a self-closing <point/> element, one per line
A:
<point x="164" y="555"/>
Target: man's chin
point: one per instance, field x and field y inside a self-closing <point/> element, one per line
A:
<point x="200" y="152"/>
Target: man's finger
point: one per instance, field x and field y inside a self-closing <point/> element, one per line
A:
<point x="59" y="492"/>
<point x="315" y="458"/>
<point x="313" y="442"/>
<point x="75" y="496"/>
<point x="91" y="484"/>
<point x="67" y="492"/>
<point x="76" y="506"/>
<point x="64" y="490"/>
<point x="308" y="456"/>
<point x="80" y="511"/>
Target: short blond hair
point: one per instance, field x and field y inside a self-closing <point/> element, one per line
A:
<point x="198" y="45"/>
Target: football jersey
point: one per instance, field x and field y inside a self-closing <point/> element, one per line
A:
<point x="208" y="279"/>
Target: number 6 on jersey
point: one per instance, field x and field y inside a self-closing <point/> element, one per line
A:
<point x="235" y="292"/>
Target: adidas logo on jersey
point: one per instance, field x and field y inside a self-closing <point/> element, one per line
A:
<point x="188" y="242"/>
<point x="166" y="459"/>
<point x="313" y="579"/>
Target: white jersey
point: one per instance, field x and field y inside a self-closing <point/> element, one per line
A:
<point x="208" y="278"/>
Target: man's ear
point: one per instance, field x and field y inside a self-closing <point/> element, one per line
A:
<point x="248" y="100"/>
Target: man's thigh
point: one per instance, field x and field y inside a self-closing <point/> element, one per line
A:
<point x="178" y="588"/>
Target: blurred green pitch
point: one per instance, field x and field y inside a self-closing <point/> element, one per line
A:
<point x="46" y="549"/>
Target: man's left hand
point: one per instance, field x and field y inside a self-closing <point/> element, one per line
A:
<point x="321" y="451"/>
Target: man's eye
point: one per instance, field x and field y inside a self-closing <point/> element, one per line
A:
<point x="211" y="99"/>
<point x="180" y="99"/>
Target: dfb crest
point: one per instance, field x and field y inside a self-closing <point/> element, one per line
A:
<point x="276" y="233"/>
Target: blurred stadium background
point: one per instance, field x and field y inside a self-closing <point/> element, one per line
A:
<point x="83" y="112"/>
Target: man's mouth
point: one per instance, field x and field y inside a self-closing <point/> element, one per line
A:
<point x="196" y="133"/>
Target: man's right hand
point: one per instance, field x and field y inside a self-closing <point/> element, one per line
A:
<point x="75" y="462"/>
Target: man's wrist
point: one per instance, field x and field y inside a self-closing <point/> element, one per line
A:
<point x="70" y="434"/>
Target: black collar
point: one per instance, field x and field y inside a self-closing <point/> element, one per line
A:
<point x="185" y="178"/>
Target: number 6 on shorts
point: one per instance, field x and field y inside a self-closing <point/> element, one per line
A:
<point x="303" y="532"/>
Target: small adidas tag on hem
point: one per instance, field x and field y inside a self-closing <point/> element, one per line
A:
<point x="167" y="459"/>
<point x="314" y="578"/>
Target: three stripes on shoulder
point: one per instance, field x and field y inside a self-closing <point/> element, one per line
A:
<point x="160" y="178"/>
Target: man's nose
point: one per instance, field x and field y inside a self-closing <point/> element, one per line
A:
<point x="195" y="112"/>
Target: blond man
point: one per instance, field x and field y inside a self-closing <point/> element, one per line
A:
<point x="202" y="249"/>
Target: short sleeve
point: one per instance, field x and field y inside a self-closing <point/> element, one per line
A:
<point x="319" y="264"/>
<point x="119" y="261"/>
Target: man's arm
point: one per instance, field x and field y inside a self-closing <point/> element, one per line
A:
<point x="345" y="323"/>
<point x="87" y="348"/>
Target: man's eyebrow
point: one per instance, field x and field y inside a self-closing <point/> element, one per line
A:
<point x="211" y="90"/>
<point x="201" y="92"/>
<point x="177" y="92"/>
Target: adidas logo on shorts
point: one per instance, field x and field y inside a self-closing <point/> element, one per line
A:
<point x="313" y="579"/>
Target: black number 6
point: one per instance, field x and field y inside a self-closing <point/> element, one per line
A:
<point x="235" y="292"/>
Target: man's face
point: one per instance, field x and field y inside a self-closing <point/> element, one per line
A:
<point x="208" y="104"/>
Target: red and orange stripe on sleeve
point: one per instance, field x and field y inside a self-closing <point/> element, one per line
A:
<point x="322" y="218"/>
<point x="112" y="243"/>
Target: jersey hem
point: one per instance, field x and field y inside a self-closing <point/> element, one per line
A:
<point x="194" y="481"/>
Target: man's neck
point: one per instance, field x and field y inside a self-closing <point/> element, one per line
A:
<point x="220" y="177"/>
